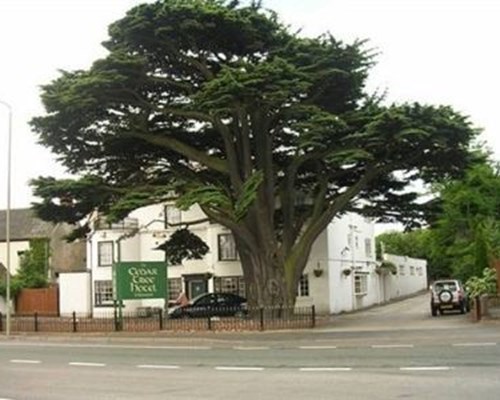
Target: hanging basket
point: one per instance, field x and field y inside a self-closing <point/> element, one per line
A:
<point x="386" y="267"/>
<point x="346" y="272"/>
<point x="317" y="272"/>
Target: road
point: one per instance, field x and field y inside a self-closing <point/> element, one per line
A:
<point x="392" y="352"/>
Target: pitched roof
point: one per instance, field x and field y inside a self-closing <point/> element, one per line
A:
<point x="24" y="225"/>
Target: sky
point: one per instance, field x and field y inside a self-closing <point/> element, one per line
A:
<point x="430" y="51"/>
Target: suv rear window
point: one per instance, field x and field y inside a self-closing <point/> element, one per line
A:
<point x="452" y="286"/>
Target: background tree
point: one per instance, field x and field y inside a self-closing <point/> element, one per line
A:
<point x="466" y="236"/>
<point x="219" y="104"/>
<point x="463" y="236"/>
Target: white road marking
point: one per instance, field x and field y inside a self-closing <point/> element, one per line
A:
<point x="86" y="364"/>
<point x="151" y="366"/>
<point x="474" y="344"/>
<point x="251" y="348"/>
<point x="317" y="347"/>
<point x="239" y="368"/>
<point x="392" y="346"/>
<point x="425" y="368"/>
<point x="25" y="362"/>
<point x="325" y="369"/>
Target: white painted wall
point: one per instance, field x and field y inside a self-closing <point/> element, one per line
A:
<point x="75" y="293"/>
<point x="347" y="251"/>
<point x="16" y="247"/>
<point x="405" y="282"/>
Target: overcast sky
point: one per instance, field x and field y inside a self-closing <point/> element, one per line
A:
<point x="431" y="51"/>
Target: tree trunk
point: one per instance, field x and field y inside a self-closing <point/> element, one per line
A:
<point x="266" y="281"/>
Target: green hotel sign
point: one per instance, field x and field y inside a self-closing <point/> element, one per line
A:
<point x="140" y="280"/>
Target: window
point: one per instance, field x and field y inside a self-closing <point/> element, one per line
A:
<point x="360" y="284"/>
<point x="103" y="293"/>
<point x="230" y="284"/>
<point x="368" y="247"/>
<point x="227" y="247"/>
<point x="401" y="270"/>
<point x="172" y="215"/>
<point x="420" y="271"/>
<point x="105" y="253"/>
<point x="174" y="288"/>
<point x="304" y="286"/>
<point x="412" y="270"/>
<point x="356" y="241"/>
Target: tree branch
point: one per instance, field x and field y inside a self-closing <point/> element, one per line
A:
<point x="176" y="145"/>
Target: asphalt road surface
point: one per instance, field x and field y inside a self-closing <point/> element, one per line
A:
<point x="396" y="351"/>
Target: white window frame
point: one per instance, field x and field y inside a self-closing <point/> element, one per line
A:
<point x="105" y="260"/>
<point x="226" y="247"/>
<point x="368" y="247"/>
<point x="360" y="284"/>
<point x="103" y="293"/>
<point x="304" y="288"/>
<point x="174" y="287"/>
<point x="172" y="215"/>
<point x="230" y="284"/>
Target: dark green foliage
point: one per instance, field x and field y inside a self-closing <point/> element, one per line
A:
<point x="183" y="244"/>
<point x="466" y="234"/>
<point x="271" y="134"/>
<point x="33" y="270"/>
<point x="463" y="238"/>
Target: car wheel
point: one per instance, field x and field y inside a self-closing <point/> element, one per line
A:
<point x="463" y="307"/>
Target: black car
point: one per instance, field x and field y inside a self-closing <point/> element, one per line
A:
<point x="211" y="305"/>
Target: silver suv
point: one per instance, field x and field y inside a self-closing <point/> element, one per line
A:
<point x="448" y="294"/>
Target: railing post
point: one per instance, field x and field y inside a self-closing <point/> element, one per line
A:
<point x="209" y="323"/>
<point x="477" y="304"/>
<point x="74" y="321"/>
<point x="313" y="316"/>
<point x="160" y="318"/>
<point x="261" y="312"/>
<point x="115" y="315"/>
<point x="36" y="321"/>
<point x="1" y="322"/>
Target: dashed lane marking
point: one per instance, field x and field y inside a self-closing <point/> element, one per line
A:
<point x="426" y="368"/>
<point x="317" y="347"/>
<point x="392" y="346"/>
<point x="158" y="366"/>
<point x="483" y="344"/>
<point x="86" y="364"/>
<point x="250" y="348"/>
<point x="25" y="362"/>
<point x="325" y="369"/>
<point x="239" y="368"/>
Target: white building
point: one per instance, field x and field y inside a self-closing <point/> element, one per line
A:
<point x="26" y="227"/>
<point x="340" y="276"/>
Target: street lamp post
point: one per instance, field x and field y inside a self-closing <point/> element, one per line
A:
<point x="7" y="214"/>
